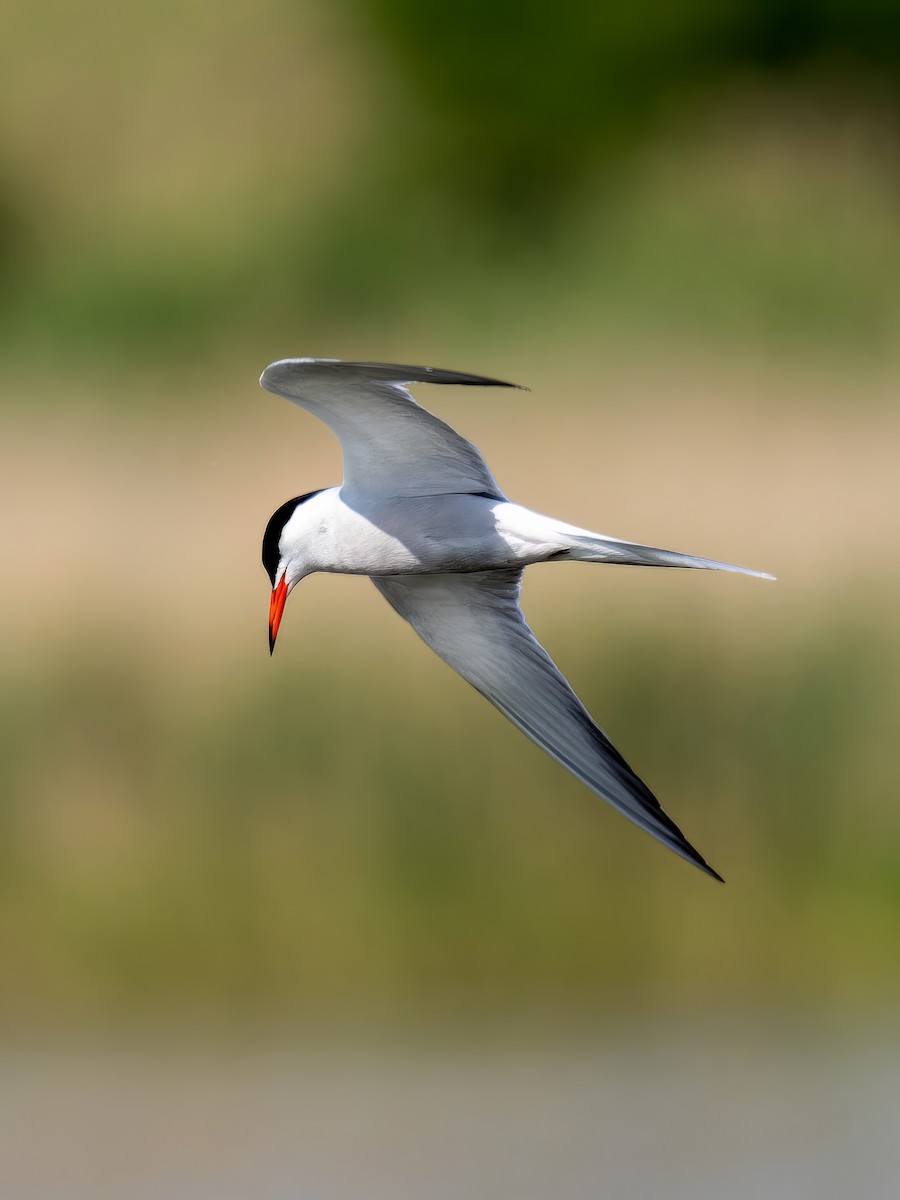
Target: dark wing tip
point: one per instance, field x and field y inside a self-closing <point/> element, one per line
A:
<point x="438" y="375"/>
<point x="693" y="856"/>
<point x="710" y="871"/>
<point x="683" y="847"/>
<point x="654" y="819"/>
<point x="278" y="373"/>
<point x="673" y="839"/>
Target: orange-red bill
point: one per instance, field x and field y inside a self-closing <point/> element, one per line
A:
<point x="276" y="608"/>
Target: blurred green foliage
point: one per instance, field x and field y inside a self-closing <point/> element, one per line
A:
<point x="477" y="165"/>
<point x="522" y="99"/>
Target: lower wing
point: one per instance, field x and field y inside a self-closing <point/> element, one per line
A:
<point x="474" y="623"/>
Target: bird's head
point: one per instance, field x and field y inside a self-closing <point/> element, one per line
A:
<point x="283" y="557"/>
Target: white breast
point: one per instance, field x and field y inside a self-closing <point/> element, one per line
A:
<point x="416" y="534"/>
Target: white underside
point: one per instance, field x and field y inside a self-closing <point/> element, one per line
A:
<point x="336" y="531"/>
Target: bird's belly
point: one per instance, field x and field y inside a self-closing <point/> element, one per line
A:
<point x="416" y="536"/>
<point x="382" y="554"/>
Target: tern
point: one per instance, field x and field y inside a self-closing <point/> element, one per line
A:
<point x="420" y="514"/>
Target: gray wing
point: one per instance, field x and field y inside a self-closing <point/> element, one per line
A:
<point x="391" y="446"/>
<point x="474" y="623"/>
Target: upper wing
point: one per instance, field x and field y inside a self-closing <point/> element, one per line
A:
<point x="474" y="623"/>
<point x="391" y="446"/>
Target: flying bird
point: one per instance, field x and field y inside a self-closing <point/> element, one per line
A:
<point x="420" y="514"/>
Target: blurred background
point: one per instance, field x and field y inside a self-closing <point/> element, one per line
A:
<point x="326" y="925"/>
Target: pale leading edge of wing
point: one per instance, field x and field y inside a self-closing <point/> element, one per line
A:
<point x="392" y="447"/>
<point x="473" y="622"/>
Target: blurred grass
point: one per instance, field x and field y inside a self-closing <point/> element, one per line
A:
<point x="344" y="841"/>
<point x="285" y="170"/>
<point x="751" y="246"/>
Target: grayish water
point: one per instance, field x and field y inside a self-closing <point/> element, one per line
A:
<point x="717" y="1115"/>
